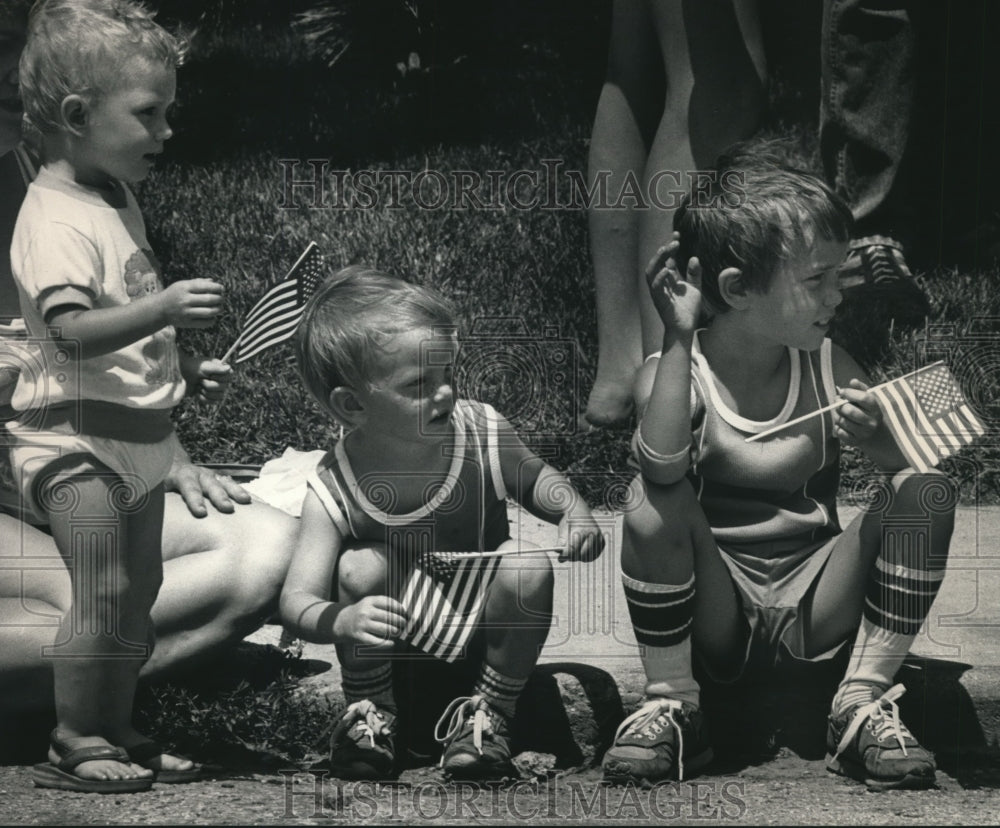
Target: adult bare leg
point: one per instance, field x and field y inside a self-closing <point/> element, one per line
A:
<point x="627" y="113"/>
<point x="713" y="57"/>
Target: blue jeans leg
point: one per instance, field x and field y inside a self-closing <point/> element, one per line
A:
<point x="868" y="89"/>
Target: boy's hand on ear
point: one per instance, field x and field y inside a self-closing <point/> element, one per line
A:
<point x="677" y="297"/>
<point x="859" y="417"/>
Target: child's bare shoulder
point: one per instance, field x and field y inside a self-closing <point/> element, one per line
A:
<point x="845" y="367"/>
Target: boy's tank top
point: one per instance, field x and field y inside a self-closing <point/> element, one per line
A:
<point x="467" y="512"/>
<point x="774" y="495"/>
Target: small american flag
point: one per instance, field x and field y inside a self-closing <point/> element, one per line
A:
<point x="273" y="319"/>
<point x="928" y="415"/>
<point x="444" y="595"/>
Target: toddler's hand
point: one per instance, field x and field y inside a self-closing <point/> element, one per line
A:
<point x="859" y="417"/>
<point x="580" y="537"/>
<point x="677" y="298"/>
<point x="373" y="621"/>
<point x="191" y="303"/>
<point x="196" y="484"/>
<point x="207" y="379"/>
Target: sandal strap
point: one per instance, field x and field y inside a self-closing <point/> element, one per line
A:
<point x="77" y="756"/>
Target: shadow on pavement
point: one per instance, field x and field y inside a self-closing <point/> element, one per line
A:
<point x="574" y="724"/>
<point x="574" y="719"/>
<point x="754" y="720"/>
<point x="944" y="717"/>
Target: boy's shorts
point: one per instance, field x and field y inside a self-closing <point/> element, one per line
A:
<point x="773" y="607"/>
<point x="33" y="453"/>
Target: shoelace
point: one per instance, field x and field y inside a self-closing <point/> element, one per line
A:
<point x="459" y="711"/>
<point x="366" y="715"/>
<point x="885" y="722"/>
<point x="653" y="718"/>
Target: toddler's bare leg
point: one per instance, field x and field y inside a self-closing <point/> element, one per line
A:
<point x="366" y="672"/>
<point x="144" y="572"/>
<point x="518" y="613"/>
<point x="104" y="637"/>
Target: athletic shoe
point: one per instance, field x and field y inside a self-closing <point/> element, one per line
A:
<point x="875" y="268"/>
<point x="663" y="739"/>
<point x="363" y="743"/>
<point x="870" y="743"/>
<point x="476" y="742"/>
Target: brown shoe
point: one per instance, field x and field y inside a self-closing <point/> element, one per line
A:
<point x="868" y="742"/>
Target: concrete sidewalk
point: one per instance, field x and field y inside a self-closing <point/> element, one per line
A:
<point x="953" y="679"/>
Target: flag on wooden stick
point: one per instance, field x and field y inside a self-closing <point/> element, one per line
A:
<point x="443" y="594"/>
<point x="274" y="318"/>
<point x="928" y="415"/>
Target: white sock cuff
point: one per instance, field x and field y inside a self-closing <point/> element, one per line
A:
<point x="661" y="589"/>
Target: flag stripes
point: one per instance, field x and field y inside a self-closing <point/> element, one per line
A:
<point x="443" y="599"/>
<point x="927" y="415"/>
<point x="276" y="314"/>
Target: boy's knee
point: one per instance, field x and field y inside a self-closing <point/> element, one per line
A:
<point x="522" y="588"/>
<point x="361" y="571"/>
<point x="531" y="575"/>
<point x="660" y="516"/>
<point x="930" y="493"/>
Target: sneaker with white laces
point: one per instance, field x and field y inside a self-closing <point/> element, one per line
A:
<point x="876" y="269"/>
<point x="663" y="739"/>
<point x="868" y="742"/>
<point x="363" y="743"/>
<point x="476" y="741"/>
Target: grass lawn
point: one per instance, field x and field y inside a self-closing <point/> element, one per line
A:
<point x="521" y="278"/>
<point x="253" y="102"/>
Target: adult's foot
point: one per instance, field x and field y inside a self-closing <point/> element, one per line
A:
<point x="609" y="405"/>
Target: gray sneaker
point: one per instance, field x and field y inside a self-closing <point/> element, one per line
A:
<point x="663" y="739"/>
<point x="363" y="743"/>
<point x="870" y="743"/>
<point x="476" y="741"/>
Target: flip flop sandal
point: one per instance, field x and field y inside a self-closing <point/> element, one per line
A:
<point x="143" y="752"/>
<point x="60" y="774"/>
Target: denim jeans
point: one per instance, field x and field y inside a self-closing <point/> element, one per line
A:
<point x="908" y="118"/>
<point x="868" y="89"/>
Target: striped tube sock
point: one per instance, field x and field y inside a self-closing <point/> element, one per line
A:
<point x="501" y="692"/>
<point x="661" y="617"/>
<point x="374" y="684"/>
<point x="897" y="602"/>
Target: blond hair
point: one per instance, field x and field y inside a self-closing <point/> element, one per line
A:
<point x="341" y="337"/>
<point x="82" y="47"/>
